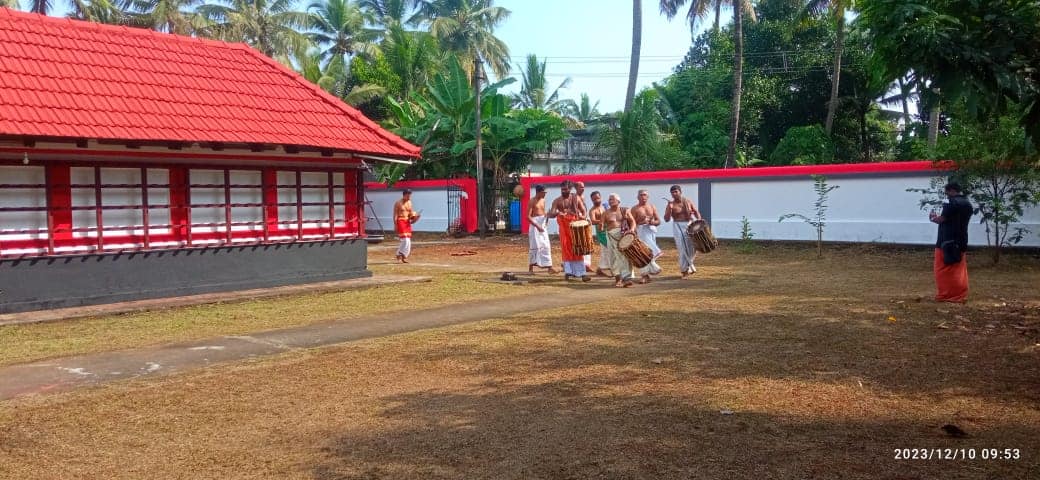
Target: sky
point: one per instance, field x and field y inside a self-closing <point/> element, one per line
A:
<point x="590" y="41"/>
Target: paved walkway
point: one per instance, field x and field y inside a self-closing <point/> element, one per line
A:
<point x="168" y="302"/>
<point x="94" y="369"/>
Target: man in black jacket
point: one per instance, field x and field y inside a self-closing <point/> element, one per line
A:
<point x="951" y="264"/>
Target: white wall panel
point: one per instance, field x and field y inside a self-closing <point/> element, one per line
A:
<point x="21" y="198"/>
<point x="433" y="203"/>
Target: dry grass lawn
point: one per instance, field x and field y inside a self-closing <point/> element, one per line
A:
<point x="771" y="365"/>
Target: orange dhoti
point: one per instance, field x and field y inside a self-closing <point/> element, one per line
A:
<point x="404" y="233"/>
<point x="951" y="280"/>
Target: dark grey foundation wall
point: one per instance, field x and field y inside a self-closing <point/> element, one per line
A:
<point x="76" y="280"/>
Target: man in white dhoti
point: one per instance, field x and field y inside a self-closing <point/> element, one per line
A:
<point x="681" y="211"/>
<point x="565" y="209"/>
<point x="606" y="256"/>
<point x="647" y="221"/>
<point x="616" y="220"/>
<point x="540" y="251"/>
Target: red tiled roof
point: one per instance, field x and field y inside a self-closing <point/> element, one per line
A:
<point x="68" y="78"/>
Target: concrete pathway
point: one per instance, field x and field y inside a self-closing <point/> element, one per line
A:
<point x="94" y="369"/>
<point x="168" y="302"/>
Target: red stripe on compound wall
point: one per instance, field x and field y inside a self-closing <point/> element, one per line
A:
<point x="467" y="206"/>
<point x="665" y="176"/>
<point x="757" y="172"/>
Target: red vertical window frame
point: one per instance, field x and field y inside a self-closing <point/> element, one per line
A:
<point x="99" y="219"/>
<point x="59" y="204"/>
<point x="180" y="204"/>
<point x="299" y="205"/>
<point x="354" y="208"/>
<point x="269" y="180"/>
<point x="144" y="206"/>
<point x="227" y="205"/>
<point x="332" y="205"/>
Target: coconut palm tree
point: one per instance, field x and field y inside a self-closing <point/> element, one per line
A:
<point x="171" y="16"/>
<point x="836" y="9"/>
<point x="100" y="11"/>
<point x="633" y="62"/>
<point x="414" y="57"/>
<point x="387" y="13"/>
<point x="698" y="10"/>
<point x="467" y="29"/>
<point x="43" y="7"/>
<point x="585" y="111"/>
<point x="340" y="26"/>
<point x="333" y="77"/>
<point x="534" y="90"/>
<point x="10" y="4"/>
<point x="271" y="26"/>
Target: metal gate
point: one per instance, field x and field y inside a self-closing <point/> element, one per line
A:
<point x="456" y="224"/>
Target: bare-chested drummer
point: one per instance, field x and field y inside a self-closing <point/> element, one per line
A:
<point x="579" y="190"/>
<point x="615" y="221"/>
<point x="647" y="220"/>
<point x="681" y="211"/>
<point x="565" y="209"/>
<point x="606" y="260"/>
<point x="540" y="251"/>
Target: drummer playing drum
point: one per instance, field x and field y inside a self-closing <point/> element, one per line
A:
<point x="681" y="211"/>
<point x="616" y="220"/>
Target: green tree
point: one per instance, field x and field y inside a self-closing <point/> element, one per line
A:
<point x="534" y="89"/>
<point x="981" y="51"/>
<point x="339" y="26"/>
<point x="999" y="168"/>
<point x="639" y="141"/>
<point x="803" y="146"/>
<point x="333" y="77"/>
<point x="388" y="13"/>
<point x="836" y="10"/>
<point x="100" y="11"/>
<point x="270" y="26"/>
<point x="584" y="111"/>
<point x="171" y="16"/>
<point x="442" y="121"/>
<point x="698" y="10"/>
<point x="413" y="56"/>
<point x="467" y="29"/>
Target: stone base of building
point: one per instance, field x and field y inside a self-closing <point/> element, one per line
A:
<point x="76" y="280"/>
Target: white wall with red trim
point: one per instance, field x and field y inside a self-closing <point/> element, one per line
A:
<point x="871" y="203"/>
<point x="429" y="196"/>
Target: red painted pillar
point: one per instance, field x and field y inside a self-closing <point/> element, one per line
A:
<point x="59" y="203"/>
<point x="269" y="182"/>
<point x="179" y="203"/>
<point x="354" y="198"/>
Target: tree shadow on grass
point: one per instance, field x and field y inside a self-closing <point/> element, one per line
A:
<point x="896" y="357"/>
<point x="585" y="428"/>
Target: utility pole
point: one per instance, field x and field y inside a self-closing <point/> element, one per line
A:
<point x="480" y="149"/>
